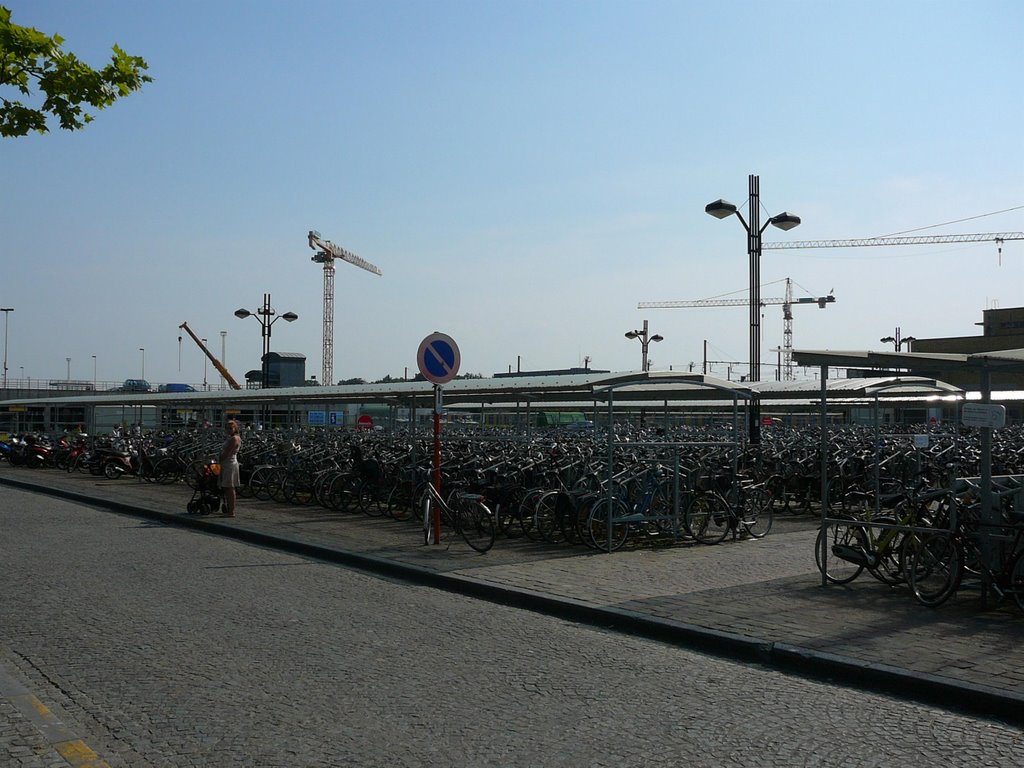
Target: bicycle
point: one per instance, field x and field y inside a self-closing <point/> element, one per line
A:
<point x="883" y="545"/>
<point x="608" y="527"/>
<point x="709" y="517"/>
<point x="942" y="559"/>
<point x="466" y="515"/>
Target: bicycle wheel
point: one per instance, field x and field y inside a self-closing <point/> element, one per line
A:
<point x="166" y="471"/>
<point x="887" y="546"/>
<point x="401" y="501"/>
<point x="602" y="535"/>
<point x="839" y="536"/>
<point x="936" y="569"/>
<point x="263" y="480"/>
<point x="546" y="513"/>
<point x="528" y="513"/>
<point x="372" y="499"/>
<point x="758" y="512"/>
<point x="475" y="522"/>
<point x="707" y="518"/>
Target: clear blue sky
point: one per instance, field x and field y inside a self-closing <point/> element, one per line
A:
<point x="522" y="172"/>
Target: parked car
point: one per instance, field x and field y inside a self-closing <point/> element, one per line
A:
<point x="133" y="385"/>
<point x="176" y="388"/>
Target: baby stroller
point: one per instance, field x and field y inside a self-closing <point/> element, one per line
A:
<point x="206" y="498"/>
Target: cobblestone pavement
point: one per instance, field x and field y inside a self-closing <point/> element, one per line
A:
<point x="160" y="647"/>
<point x="762" y="597"/>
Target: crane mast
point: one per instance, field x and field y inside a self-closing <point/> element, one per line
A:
<point x="326" y="254"/>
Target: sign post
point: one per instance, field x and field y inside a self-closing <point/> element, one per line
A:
<point x="438" y="359"/>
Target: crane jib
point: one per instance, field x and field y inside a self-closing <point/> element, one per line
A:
<point x="997" y="237"/>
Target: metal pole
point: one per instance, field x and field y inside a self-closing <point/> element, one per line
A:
<point x="223" y="354"/>
<point x="754" y="254"/>
<point x="824" y="469"/>
<point x="7" y="316"/>
<point x="265" y="323"/>
<point x="436" y="522"/>
<point x="643" y="348"/>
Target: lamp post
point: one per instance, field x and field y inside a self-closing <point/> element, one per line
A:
<point x="204" y="366"/>
<point x="898" y="341"/>
<point x="68" y="360"/>
<point x="721" y="209"/>
<point x="94" y="372"/>
<point x="7" y="316"/>
<point x="645" y="342"/>
<point x="143" y="351"/>
<point x="223" y="354"/>
<point x="265" y="317"/>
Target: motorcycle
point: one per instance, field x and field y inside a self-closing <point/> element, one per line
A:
<point x="29" y="451"/>
<point x="108" y="461"/>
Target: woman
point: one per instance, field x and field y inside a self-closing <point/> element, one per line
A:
<point x="229" y="478"/>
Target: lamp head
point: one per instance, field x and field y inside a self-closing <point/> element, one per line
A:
<point x="720" y="209"/>
<point x="291" y="317"/>
<point x="887" y="340"/>
<point x="242" y="313"/>
<point x="633" y="334"/>
<point x="785" y="221"/>
<point x="657" y="337"/>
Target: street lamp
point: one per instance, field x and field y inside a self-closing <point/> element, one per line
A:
<point x="722" y="209"/>
<point x="68" y="359"/>
<point x="7" y="315"/>
<point x="223" y="354"/>
<point x="204" y="366"/>
<point x="898" y="341"/>
<point x="263" y="317"/>
<point x="143" y="351"/>
<point x="645" y="341"/>
<point x="94" y="372"/>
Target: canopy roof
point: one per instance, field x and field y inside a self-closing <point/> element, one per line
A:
<point x="1004" y="359"/>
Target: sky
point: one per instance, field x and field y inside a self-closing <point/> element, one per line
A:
<point x="523" y="173"/>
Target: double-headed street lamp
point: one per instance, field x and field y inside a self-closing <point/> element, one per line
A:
<point x="722" y="209"/>
<point x="7" y="313"/>
<point x="898" y="341"/>
<point x="265" y="317"/>
<point x="645" y="341"/>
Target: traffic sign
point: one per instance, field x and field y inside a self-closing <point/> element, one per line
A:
<point x="438" y="358"/>
<point x="983" y="415"/>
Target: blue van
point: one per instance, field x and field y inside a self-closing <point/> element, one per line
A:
<point x="176" y="388"/>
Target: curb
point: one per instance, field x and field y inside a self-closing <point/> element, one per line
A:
<point x="873" y="677"/>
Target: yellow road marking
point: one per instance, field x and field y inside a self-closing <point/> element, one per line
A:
<point x="39" y="707"/>
<point x="78" y="754"/>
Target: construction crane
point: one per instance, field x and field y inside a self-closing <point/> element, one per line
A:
<point x="787" y="315"/>
<point x="326" y="254"/>
<point x="995" y="237"/>
<point x="216" y="363"/>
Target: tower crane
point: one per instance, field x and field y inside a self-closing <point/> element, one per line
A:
<point x="787" y="315"/>
<point x="326" y="254"/>
<point x="216" y="363"/>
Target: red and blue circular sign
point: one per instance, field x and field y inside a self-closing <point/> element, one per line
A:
<point x="438" y="358"/>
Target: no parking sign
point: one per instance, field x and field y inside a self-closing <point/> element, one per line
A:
<point x="438" y="358"/>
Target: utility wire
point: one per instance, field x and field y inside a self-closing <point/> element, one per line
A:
<point x="956" y="221"/>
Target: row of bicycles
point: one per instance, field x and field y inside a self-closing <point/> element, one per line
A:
<point x="934" y="541"/>
<point x="885" y="494"/>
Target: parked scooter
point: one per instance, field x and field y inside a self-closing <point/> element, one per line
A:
<point x="109" y="461"/>
<point x="30" y="451"/>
